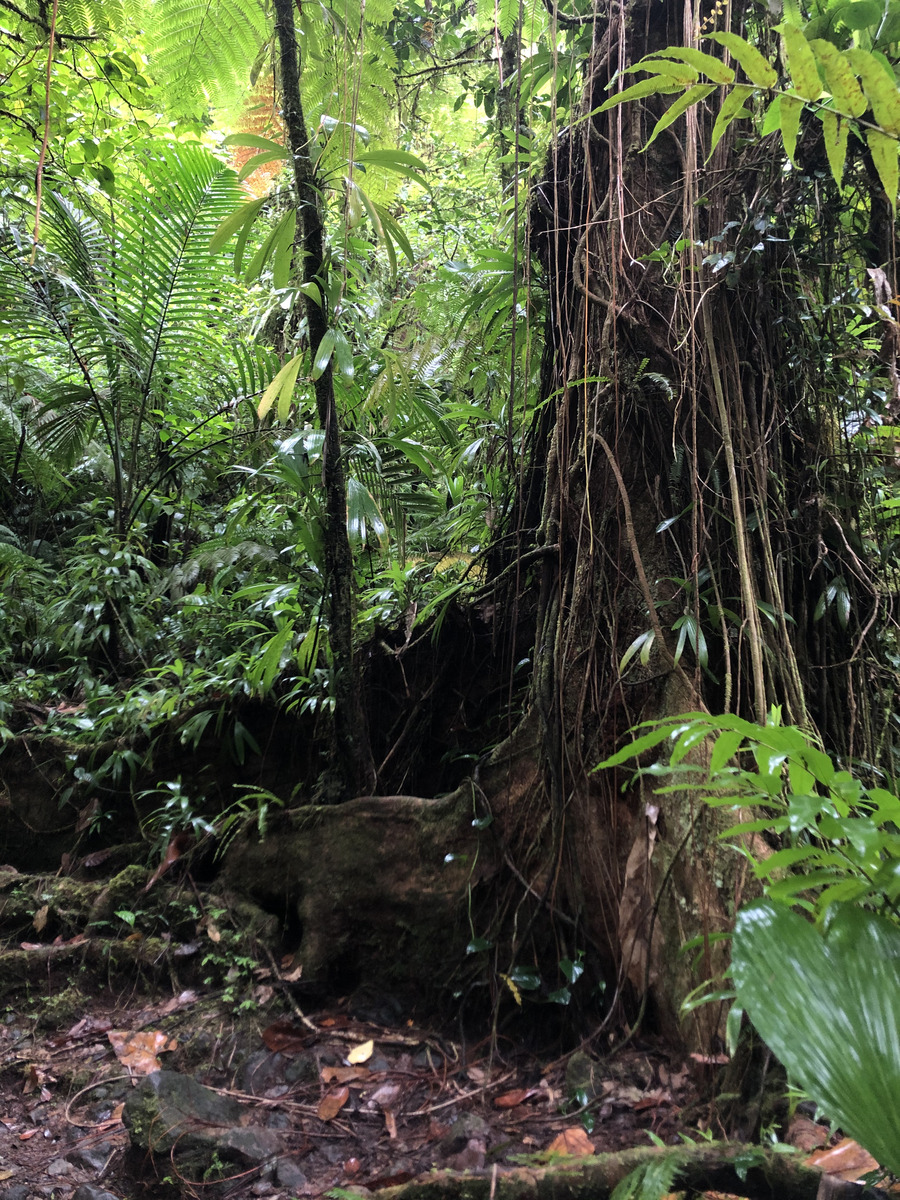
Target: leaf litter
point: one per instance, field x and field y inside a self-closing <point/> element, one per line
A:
<point x="355" y="1103"/>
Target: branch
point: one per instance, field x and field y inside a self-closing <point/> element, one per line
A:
<point x="565" y="19"/>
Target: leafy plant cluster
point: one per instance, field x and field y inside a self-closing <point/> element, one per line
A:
<point x="816" y="961"/>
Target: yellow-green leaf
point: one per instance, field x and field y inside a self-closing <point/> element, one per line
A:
<point x="712" y="68"/>
<point x="281" y="388"/>
<point x="791" y="108"/>
<point x="259" y="160"/>
<point x="880" y="88"/>
<point x="732" y="108"/>
<point x="884" y="155"/>
<point x="679" y="71"/>
<point x="283" y="251"/>
<point x="835" y="129"/>
<point x="233" y="223"/>
<point x="645" y="87"/>
<point x="255" y="141"/>
<point x="756" y="66"/>
<point x="802" y="62"/>
<point x="692" y="96"/>
<point x="840" y="77"/>
<point x="772" y="119"/>
<point x="323" y="354"/>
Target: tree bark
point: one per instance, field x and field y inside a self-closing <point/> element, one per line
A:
<point x="351" y="771"/>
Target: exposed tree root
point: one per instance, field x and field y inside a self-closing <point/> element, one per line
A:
<point x="733" y="1168"/>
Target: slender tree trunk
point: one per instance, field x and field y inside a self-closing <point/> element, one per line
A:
<point x="351" y="770"/>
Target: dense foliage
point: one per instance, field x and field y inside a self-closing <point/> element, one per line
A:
<point x="166" y="333"/>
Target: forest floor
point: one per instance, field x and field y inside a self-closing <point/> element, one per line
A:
<point x="343" y="1097"/>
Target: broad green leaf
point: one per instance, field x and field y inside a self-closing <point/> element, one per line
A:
<point x="772" y="119"/>
<point x="880" y="88"/>
<point x="363" y="514"/>
<point x="395" y="229"/>
<point x="756" y="66"/>
<point x="343" y="354"/>
<point x="802" y="62"/>
<point x="399" y="161"/>
<point x="642" y="641"/>
<point x="712" y="68"/>
<point x="259" y="160"/>
<point x="884" y="155"/>
<point x="681" y="72"/>
<point x="829" y="1008"/>
<point x="724" y="750"/>
<point x="692" y="96"/>
<point x="261" y="257"/>
<point x="323" y="354"/>
<point x="232" y="223"/>
<point x="283" y="251"/>
<point x="835" y="130"/>
<point x="255" y="142"/>
<point x="732" y="108"/>
<point x="633" y="749"/>
<point x="637" y="91"/>
<point x="841" y="78"/>
<point x="281" y="388"/>
<point x="790" y="109"/>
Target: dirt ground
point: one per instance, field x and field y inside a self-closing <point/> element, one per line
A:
<point x="354" y="1101"/>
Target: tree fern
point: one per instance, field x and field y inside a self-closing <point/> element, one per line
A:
<point x="204" y="50"/>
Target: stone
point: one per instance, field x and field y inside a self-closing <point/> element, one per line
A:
<point x="468" y="1125"/>
<point x="288" y="1174"/>
<point x="93" y="1155"/>
<point x="88" y="1192"/>
<point x="171" y="1110"/>
<point x="59" y="1166"/>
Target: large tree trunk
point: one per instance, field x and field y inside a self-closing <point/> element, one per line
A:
<point x="672" y="392"/>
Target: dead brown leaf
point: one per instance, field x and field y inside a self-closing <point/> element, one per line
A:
<point x="806" y="1134"/>
<point x="332" y="1104"/>
<point x="40" y="918"/>
<point x="514" y="1098"/>
<point x="847" y="1160"/>
<point x="284" y="1037"/>
<point x="573" y="1142"/>
<point x="390" y="1122"/>
<point x="138" y="1051"/>
<point x="345" y="1074"/>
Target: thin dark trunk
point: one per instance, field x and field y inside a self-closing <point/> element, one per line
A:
<point x="350" y="771"/>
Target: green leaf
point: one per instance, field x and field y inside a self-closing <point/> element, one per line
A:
<point x="259" y="160"/>
<point x="880" y="88"/>
<point x="398" y="161"/>
<point x="681" y="72"/>
<point x="692" y="96"/>
<point x="835" y="130"/>
<point x="756" y="66"/>
<point x="323" y="354"/>
<point x="802" y="62"/>
<point x="281" y="388"/>
<point x="712" y="68"/>
<point x="637" y="91"/>
<point x="829" y="1008"/>
<point x="527" y="978"/>
<point x="343" y="354"/>
<point x="255" y="142"/>
<point x="478" y="944"/>
<point x="732" y="108"/>
<point x="841" y="78"/>
<point x="642" y="643"/>
<point x="790" y="109"/>
<point x="283" y="251"/>
<point x="884" y="155"/>
<point x="267" y="249"/>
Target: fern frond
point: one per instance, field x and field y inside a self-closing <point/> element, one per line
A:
<point x="205" y="49"/>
